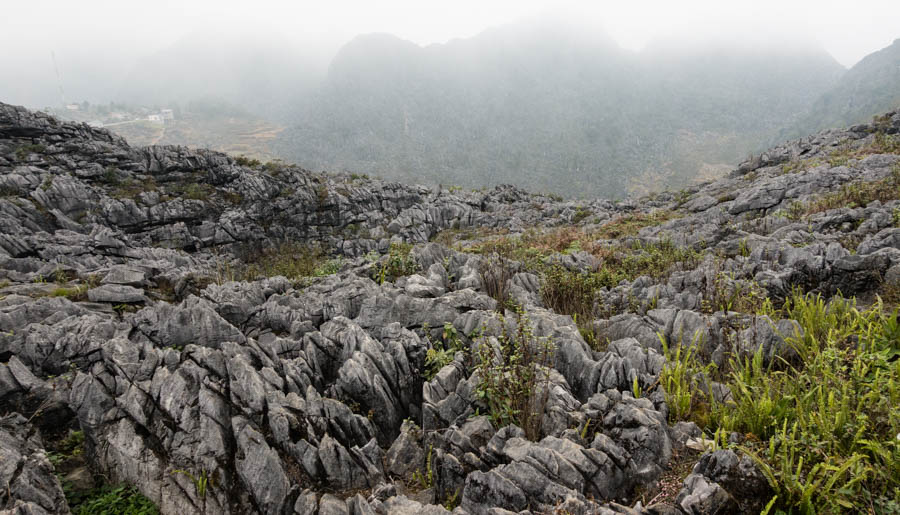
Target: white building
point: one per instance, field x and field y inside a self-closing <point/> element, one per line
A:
<point x="155" y="118"/>
<point x="167" y="114"/>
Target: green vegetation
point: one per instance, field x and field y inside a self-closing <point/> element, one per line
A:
<point x="132" y="187"/>
<point x="291" y="260"/>
<point x="515" y="376"/>
<point x="441" y="353"/>
<point x="630" y="225"/>
<point x="233" y="197"/>
<point x="824" y="427"/>
<point x="201" y="481"/>
<point x="800" y="165"/>
<point x="294" y="262"/>
<point x="580" y="214"/>
<point x="679" y="381"/>
<point x="725" y="293"/>
<point x="425" y="480"/>
<point x="243" y="160"/>
<point x="110" y="176"/>
<point x="113" y="500"/>
<point x="859" y="194"/>
<point x="78" y="293"/>
<point x="193" y="191"/>
<point x="398" y="263"/>
<point x="450" y="237"/>
<point x="23" y="151"/>
<point x="571" y="292"/>
<point x="496" y="270"/>
<point x="71" y="446"/>
<point x="322" y="193"/>
<point x="9" y="190"/>
<point x="68" y="454"/>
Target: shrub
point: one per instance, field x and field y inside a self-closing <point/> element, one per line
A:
<point x="322" y="194"/>
<point x="195" y="191"/>
<point x="496" y="270"/>
<point x="274" y="167"/>
<point x="25" y="150"/>
<point x="515" y="377"/>
<point x="574" y="293"/>
<point x="885" y="144"/>
<point x="441" y="353"/>
<point x="656" y="260"/>
<point x="246" y="161"/>
<point x="725" y="293"/>
<point x="630" y="225"/>
<point x="131" y="188"/>
<point x="110" y="176"/>
<point x="9" y="190"/>
<point x="398" y="263"/>
<point x="580" y="214"/>
<point x="292" y="260"/>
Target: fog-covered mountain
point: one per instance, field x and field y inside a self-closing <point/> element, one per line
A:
<point x="870" y="87"/>
<point x="551" y="106"/>
<point x="262" y="73"/>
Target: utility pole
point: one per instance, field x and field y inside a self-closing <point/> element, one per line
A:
<point x="62" y="93"/>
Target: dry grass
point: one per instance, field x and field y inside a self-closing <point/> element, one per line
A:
<point x="630" y="225"/>
<point x="858" y="194"/>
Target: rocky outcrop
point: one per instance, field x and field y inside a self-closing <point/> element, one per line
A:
<point x="316" y="396"/>
<point x="30" y="485"/>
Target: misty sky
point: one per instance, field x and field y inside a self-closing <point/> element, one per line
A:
<point x="848" y="30"/>
<point x="114" y="34"/>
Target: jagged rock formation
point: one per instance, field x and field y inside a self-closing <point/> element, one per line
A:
<point x="313" y="397"/>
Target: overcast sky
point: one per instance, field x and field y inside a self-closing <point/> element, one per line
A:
<point x="98" y="42"/>
<point x="847" y="29"/>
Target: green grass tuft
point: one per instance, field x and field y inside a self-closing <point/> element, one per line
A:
<point x="824" y="427"/>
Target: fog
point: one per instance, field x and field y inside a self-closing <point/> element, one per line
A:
<point x="98" y="43"/>
<point x="624" y="96"/>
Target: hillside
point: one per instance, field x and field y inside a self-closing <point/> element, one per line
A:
<point x="869" y="88"/>
<point x="552" y="107"/>
<point x="187" y="334"/>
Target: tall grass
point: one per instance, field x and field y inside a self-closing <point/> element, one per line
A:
<point x="824" y="428"/>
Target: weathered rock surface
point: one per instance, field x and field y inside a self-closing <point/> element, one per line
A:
<point x="312" y="397"/>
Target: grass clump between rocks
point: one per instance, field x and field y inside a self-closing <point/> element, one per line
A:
<point x="823" y="427"/>
<point x="27" y="149"/>
<point x="101" y="499"/>
<point x="859" y="194"/>
<point x="630" y="225"/>
<point x="294" y="261"/>
<point x="440" y="353"/>
<point x="114" y="500"/>
<point x="398" y="263"/>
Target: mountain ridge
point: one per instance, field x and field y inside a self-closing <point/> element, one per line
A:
<point x="511" y="107"/>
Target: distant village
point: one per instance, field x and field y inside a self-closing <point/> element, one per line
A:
<point x="112" y="114"/>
